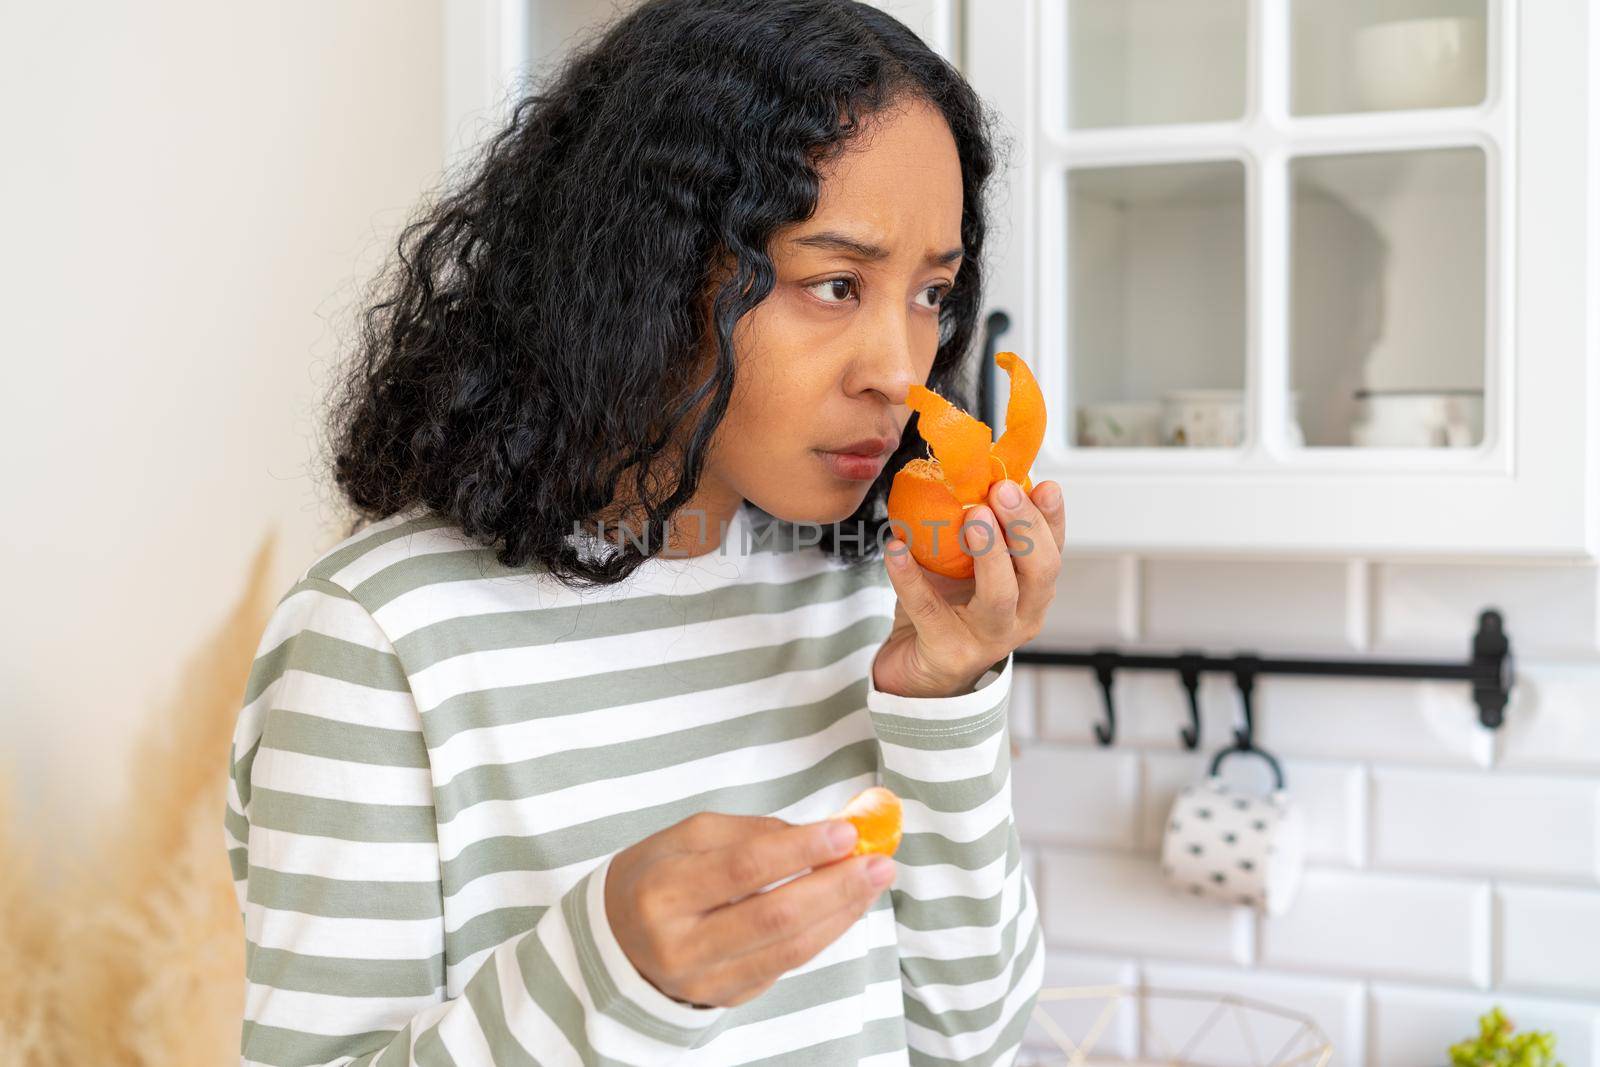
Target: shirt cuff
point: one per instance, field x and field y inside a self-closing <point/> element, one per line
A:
<point x="992" y="689"/>
<point x="637" y="1002"/>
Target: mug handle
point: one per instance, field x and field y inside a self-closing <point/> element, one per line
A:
<point x="1277" y="771"/>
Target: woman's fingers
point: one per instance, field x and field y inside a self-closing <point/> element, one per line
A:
<point x="1047" y="498"/>
<point x="993" y="607"/>
<point x="1015" y="544"/>
<point x="923" y="605"/>
<point x="748" y="864"/>
<point x="707" y="830"/>
<point x="1034" y="550"/>
<point x="785" y="911"/>
<point x="763" y="937"/>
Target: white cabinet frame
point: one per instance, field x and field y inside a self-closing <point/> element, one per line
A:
<point x="1528" y="490"/>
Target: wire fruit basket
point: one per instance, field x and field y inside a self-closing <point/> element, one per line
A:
<point x="1141" y="1026"/>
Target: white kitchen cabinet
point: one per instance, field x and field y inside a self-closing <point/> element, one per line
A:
<point x="1320" y="208"/>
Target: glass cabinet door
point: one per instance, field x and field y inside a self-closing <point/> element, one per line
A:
<point x="1155" y="280"/>
<point x="1138" y="62"/>
<point x="1262" y="247"/>
<point x="1156" y="303"/>
<point x="1388" y="55"/>
<point x="1391" y="276"/>
<point x="1388" y="295"/>
<point x="1387" y="255"/>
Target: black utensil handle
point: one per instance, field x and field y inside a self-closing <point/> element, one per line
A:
<point x="996" y="324"/>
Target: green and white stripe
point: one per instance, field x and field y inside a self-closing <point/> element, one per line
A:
<point x="437" y="756"/>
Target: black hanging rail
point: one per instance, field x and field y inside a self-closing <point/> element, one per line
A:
<point x="1490" y="671"/>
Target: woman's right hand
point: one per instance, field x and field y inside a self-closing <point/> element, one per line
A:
<point x="685" y="904"/>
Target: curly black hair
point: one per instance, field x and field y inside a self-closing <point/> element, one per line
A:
<point x="540" y="338"/>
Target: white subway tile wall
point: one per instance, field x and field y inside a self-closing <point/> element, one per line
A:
<point x="1451" y="867"/>
<point x="1097" y="599"/>
<point x="1553" y="720"/>
<point x="1369" y="924"/>
<point x="1549" y="939"/>
<point x="1433" y="607"/>
<point x="1065" y="795"/>
<point x="1271" y="603"/>
<point x="1109" y="902"/>
<point x="1532" y="825"/>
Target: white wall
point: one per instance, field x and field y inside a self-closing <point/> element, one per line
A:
<point x="192" y="189"/>
<point x="1452" y="867"/>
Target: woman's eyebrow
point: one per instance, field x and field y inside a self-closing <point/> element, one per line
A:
<point x="839" y="242"/>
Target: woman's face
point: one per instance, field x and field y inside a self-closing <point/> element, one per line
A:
<point x="825" y="360"/>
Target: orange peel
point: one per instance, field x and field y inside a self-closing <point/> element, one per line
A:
<point x="928" y="498"/>
<point x="875" y="812"/>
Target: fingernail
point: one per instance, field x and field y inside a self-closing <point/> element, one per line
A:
<point x="880" y="869"/>
<point x="1051" y="496"/>
<point x="1010" y="493"/>
<point x="979" y="522"/>
<point x="841" y="834"/>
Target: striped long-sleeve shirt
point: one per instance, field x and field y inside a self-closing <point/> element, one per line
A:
<point x="437" y="757"/>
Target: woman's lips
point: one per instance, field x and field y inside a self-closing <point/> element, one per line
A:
<point x="854" y="467"/>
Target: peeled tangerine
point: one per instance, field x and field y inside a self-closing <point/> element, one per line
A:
<point x="929" y="498"/>
<point x="876" y="814"/>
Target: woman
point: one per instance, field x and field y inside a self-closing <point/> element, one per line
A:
<point x="536" y="766"/>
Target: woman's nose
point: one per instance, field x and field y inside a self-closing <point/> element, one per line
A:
<point x="887" y="360"/>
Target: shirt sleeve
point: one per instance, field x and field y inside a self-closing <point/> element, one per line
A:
<point x="971" y="961"/>
<point x="331" y="833"/>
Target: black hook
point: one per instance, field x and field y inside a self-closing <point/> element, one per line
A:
<point x="1189" y="673"/>
<point x="1245" y="669"/>
<point x="1105" y="669"/>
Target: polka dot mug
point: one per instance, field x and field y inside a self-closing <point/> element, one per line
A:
<point x="1229" y="845"/>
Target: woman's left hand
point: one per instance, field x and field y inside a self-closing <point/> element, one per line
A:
<point x="948" y="632"/>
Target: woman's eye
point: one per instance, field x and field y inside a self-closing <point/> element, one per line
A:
<point x="841" y="288"/>
<point x="831" y="287"/>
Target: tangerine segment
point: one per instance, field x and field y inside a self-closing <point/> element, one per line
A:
<point x="927" y="513"/>
<point x="876" y="814"/>
<point x="1025" y="416"/>
<point x="959" y="442"/>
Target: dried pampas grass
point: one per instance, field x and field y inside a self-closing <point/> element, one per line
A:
<point x="27" y="935"/>
<point x="139" y="959"/>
